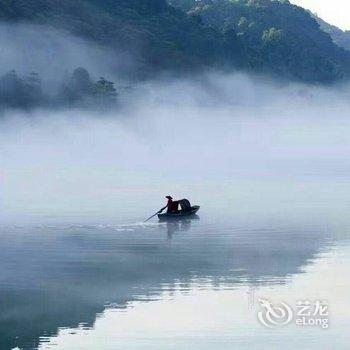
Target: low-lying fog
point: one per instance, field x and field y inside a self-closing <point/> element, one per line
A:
<point x="54" y="54"/>
<point x="231" y="143"/>
<point x="234" y="144"/>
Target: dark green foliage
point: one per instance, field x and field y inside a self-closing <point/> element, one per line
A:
<point x="278" y="37"/>
<point x="105" y="90"/>
<point x="19" y="92"/>
<point x="157" y="35"/>
<point x="340" y="37"/>
<point x="80" y="90"/>
<point x="184" y="35"/>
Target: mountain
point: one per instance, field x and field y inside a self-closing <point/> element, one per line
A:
<point x="340" y="37"/>
<point x="184" y="35"/>
<point x="278" y="37"/>
<point x="157" y="35"/>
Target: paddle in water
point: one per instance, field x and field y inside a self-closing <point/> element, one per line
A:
<point x="158" y="212"/>
<point x="170" y="201"/>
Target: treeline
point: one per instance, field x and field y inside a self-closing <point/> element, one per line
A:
<point x="339" y="37"/>
<point x="271" y="36"/>
<point x="276" y="36"/>
<point x="77" y="90"/>
<point x="158" y="36"/>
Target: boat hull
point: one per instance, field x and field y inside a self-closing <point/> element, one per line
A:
<point x="180" y="215"/>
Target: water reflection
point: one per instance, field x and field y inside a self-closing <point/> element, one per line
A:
<point x="182" y="225"/>
<point x="65" y="276"/>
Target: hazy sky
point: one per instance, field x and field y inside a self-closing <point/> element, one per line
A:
<point x="333" y="11"/>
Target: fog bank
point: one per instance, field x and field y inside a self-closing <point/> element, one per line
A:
<point x="234" y="144"/>
<point x="54" y="54"/>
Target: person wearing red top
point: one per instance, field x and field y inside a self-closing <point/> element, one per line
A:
<point x="171" y="205"/>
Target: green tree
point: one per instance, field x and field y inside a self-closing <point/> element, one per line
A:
<point x="18" y="92"/>
<point x="105" y="90"/>
<point x="272" y="35"/>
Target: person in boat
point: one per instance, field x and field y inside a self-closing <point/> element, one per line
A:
<point x="172" y="206"/>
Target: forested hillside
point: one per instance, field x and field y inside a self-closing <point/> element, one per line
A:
<point x="277" y="36"/>
<point x="340" y="37"/>
<point x="158" y="35"/>
<point x="183" y="35"/>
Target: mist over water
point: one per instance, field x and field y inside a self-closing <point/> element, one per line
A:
<point x="232" y="143"/>
<point x="54" y="54"/>
<point x="267" y="161"/>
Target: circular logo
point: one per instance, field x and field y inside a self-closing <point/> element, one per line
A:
<point x="274" y="315"/>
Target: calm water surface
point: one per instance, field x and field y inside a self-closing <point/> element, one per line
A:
<point x="185" y="285"/>
<point x="271" y="172"/>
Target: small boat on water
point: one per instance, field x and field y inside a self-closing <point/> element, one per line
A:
<point x="186" y="210"/>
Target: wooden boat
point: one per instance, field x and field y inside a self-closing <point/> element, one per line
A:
<point x="183" y="213"/>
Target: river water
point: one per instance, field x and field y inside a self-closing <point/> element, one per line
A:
<point x="184" y="285"/>
<point x="79" y="269"/>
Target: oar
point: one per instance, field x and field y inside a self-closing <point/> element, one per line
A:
<point x="153" y="216"/>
